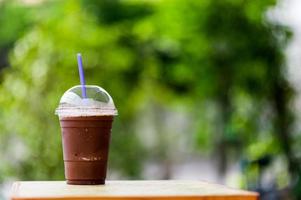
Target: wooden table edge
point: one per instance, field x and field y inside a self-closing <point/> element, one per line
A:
<point x="229" y="197"/>
<point x="249" y="195"/>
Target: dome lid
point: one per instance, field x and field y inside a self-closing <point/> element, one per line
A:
<point x="98" y="102"/>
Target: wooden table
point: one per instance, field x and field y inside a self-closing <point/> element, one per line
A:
<point x="117" y="190"/>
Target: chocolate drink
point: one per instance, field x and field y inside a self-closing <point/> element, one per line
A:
<point x="86" y="142"/>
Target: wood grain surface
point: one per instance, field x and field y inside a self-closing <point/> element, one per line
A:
<point x="117" y="190"/>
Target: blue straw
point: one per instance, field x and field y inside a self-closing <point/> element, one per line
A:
<point x="81" y="75"/>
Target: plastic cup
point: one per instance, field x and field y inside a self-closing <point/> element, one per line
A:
<point x="86" y="131"/>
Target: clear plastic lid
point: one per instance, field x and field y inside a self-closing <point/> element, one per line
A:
<point x="98" y="102"/>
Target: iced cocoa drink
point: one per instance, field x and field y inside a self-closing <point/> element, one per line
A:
<point x="86" y="125"/>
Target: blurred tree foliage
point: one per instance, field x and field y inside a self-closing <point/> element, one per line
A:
<point x="14" y="20"/>
<point x="222" y="60"/>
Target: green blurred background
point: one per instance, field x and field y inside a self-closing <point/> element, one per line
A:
<point x="201" y="88"/>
